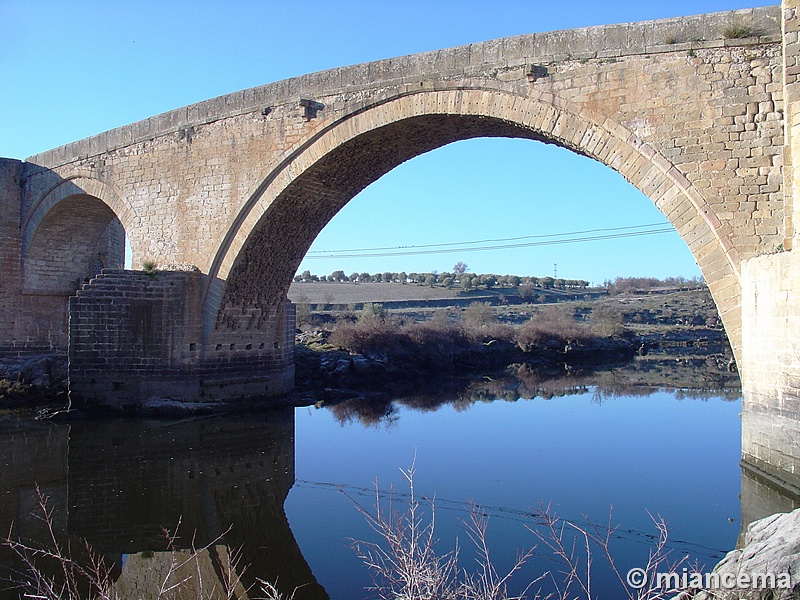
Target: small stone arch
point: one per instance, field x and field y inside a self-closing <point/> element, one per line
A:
<point x="71" y="233"/>
<point x="276" y="226"/>
<point x="76" y="186"/>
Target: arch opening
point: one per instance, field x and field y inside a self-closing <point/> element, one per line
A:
<point x="255" y="264"/>
<point x="502" y="206"/>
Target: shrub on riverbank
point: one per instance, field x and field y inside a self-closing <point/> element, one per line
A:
<point x="476" y="337"/>
<point x="554" y="327"/>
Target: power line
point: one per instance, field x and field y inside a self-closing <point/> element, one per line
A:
<point x="511" y="239"/>
<point x="528" y="517"/>
<point x="496" y="247"/>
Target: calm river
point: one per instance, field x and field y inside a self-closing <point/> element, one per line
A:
<point x="283" y="486"/>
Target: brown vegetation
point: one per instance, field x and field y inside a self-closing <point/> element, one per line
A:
<point x="469" y="338"/>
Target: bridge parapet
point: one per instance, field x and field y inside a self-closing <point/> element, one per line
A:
<point x="607" y="42"/>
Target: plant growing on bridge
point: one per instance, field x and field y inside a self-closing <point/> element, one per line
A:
<point x="149" y="267"/>
<point x="738" y="31"/>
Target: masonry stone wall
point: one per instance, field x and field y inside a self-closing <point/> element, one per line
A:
<point x="135" y="335"/>
<point x="10" y="250"/>
<point x="770" y="363"/>
<point x="770" y="366"/>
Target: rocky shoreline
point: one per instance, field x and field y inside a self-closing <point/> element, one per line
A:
<point x="771" y="547"/>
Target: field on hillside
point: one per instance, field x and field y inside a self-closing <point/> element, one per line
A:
<point x="355" y="293"/>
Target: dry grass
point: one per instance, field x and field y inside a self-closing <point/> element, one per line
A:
<point x="738" y="31"/>
<point x="354" y="293"/>
<point x="439" y="341"/>
<point x="58" y="571"/>
<point x="405" y="564"/>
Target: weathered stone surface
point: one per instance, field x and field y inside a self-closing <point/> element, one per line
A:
<point x="771" y="546"/>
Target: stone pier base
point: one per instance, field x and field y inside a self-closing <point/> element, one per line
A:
<point x="135" y="337"/>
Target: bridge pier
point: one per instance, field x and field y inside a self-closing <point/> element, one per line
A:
<point x="135" y="337"/>
<point x="770" y="365"/>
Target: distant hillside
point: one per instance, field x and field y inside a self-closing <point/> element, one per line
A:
<point x="385" y="293"/>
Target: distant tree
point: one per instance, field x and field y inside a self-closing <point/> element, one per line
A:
<point x="460" y="268"/>
<point x="365" y="277"/>
<point x="559" y="283"/>
<point x="314" y="277"/>
<point x="547" y="282"/>
<point x="413" y="277"/>
<point x="298" y="278"/>
<point x="527" y="291"/>
<point x="388" y="277"/>
<point x="372" y="313"/>
<point x="338" y="276"/>
<point x="447" y="282"/>
<point x="421" y="278"/>
<point x="466" y="284"/>
<point x="479" y="314"/>
<point x="353" y="277"/>
<point x="513" y="280"/>
<point x="489" y="280"/>
<point x="403" y="277"/>
<point x="306" y="275"/>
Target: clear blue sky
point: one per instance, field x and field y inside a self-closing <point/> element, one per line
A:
<point x="73" y="69"/>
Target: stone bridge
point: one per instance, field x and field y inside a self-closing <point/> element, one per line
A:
<point x="225" y="197"/>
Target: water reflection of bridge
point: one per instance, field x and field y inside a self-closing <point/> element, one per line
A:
<point x="116" y="484"/>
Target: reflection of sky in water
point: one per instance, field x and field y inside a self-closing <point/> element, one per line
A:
<point x="676" y="458"/>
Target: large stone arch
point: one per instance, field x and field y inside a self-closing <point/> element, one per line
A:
<point x="276" y="226"/>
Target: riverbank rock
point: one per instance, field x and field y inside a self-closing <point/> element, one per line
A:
<point x="771" y="546"/>
<point x="40" y="370"/>
<point x="33" y="380"/>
